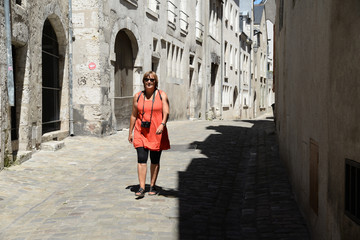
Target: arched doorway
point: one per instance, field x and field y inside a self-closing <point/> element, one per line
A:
<point x="51" y="86"/>
<point x="125" y="54"/>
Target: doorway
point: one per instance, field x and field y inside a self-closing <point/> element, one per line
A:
<point x="51" y="86"/>
<point x="124" y="74"/>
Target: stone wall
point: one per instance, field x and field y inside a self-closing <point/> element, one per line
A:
<point x="316" y="74"/>
<point x="3" y="89"/>
<point x="27" y="26"/>
<point x="153" y="41"/>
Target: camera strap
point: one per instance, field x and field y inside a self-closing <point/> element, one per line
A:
<point x="152" y="106"/>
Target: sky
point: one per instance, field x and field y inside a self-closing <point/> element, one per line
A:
<point x="257" y="1"/>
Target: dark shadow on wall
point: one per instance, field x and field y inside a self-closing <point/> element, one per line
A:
<point x="239" y="190"/>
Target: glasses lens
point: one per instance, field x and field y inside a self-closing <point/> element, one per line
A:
<point x="149" y="79"/>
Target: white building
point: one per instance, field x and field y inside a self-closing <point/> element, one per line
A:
<point x="231" y="63"/>
<point x="246" y="57"/>
<point x="260" y="84"/>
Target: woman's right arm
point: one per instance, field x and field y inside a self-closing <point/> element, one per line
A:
<point x="133" y="116"/>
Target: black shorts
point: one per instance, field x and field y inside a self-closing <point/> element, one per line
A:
<point x="143" y="154"/>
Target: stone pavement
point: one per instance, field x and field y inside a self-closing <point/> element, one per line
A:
<point x="220" y="180"/>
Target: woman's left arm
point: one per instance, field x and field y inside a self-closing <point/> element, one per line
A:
<point x="166" y="112"/>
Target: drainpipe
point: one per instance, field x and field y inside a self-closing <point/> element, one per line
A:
<point x="10" y="73"/>
<point x="71" y="110"/>
<point x="251" y="52"/>
<point x="222" y="59"/>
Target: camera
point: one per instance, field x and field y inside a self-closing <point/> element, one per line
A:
<point x="145" y="124"/>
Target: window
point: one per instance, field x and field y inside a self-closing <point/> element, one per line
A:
<point x="169" y="59"/>
<point x="198" y="24"/>
<point x="133" y="2"/>
<point x="172" y="14"/>
<point x="231" y="57"/>
<point x="231" y="17"/>
<point x="184" y="22"/>
<point x="153" y="6"/>
<point x="352" y="190"/>
<point x="236" y="59"/>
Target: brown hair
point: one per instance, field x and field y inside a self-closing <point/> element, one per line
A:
<point x="147" y="74"/>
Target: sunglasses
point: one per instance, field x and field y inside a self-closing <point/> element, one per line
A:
<point x="149" y="79"/>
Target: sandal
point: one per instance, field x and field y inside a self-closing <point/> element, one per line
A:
<point x="140" y="192"/>
<point x="153" y="191"/>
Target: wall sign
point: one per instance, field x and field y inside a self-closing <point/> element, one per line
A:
<point x="92" y="66"/>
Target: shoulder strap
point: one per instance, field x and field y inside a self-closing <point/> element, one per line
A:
<point x="139" y="96"/>
<point x="142" y="93"/>
<point x="160" y="95"/>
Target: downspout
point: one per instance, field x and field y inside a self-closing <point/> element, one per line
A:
<point x="222" y="59"/>
<point x="70" y="38"/>
<point x="251" y="52"/>
<point x="10" y="73"/>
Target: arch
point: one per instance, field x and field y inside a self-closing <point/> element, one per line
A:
<point x="54" y="81"/>
<point x="51" y="85"/>
<point x="124" y="65"/>
<point x="126" y="70"/>
<point x="133" y="33"/>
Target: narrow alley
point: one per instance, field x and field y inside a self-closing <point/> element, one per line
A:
<point x="220" y="180"/>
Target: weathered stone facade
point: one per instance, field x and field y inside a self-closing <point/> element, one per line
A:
<point x="22" y="124"/>
<point x="163" y="36"/>
<point x="84" y="83"/>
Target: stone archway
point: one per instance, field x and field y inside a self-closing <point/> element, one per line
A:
<point x="124" y="31"/>
<point x="126" y="50"/>
<point x="54" y="98"/>
<point x="51" y="85"/>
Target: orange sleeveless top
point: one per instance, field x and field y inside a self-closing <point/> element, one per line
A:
<point x="147" y="137"/>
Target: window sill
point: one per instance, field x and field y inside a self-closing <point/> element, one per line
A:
<point x="133" y="2"/>
<point x="152" y="13"/>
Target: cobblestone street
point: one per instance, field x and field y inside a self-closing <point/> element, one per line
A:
<point x="220" y="180"/>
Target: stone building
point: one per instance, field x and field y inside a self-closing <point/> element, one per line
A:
<point x="83" y="84"/>
<point x="231" y="56"/>
<point x="77" y="64"/>
<point x="317" y="92"/>
<point x="127" y="38"/>
<point x="246" y="56"/>
<point x="39" y="47"/>
<point x="259" y="82"/>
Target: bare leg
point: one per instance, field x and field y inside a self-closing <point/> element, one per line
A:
<point x="142" y="167"/>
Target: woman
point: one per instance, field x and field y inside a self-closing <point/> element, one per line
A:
<point x="149" y="116"/>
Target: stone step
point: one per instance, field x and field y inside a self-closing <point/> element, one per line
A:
<point x="22" y="156"/>
<point x="52" y="145"/>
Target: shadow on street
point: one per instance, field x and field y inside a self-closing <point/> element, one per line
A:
<point x="239" y="189"/>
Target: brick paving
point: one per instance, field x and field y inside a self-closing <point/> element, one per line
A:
<point x="220" y="180"/>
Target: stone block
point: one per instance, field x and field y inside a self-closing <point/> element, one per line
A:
<point x="52" y="146"/>
<point x="23" y="156"/>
